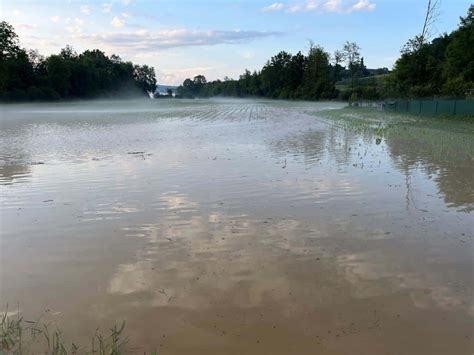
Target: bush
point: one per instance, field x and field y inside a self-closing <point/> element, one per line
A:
<point x="354" y="97"/>
<point x="42" y="93"/>
<point x="457" y="87"/>
<point x="17" y="95"/>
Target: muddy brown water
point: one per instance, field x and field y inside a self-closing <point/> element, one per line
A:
<point x="238" y="227"/>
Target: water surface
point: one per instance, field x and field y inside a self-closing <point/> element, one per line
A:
<point x="239" y="226"/>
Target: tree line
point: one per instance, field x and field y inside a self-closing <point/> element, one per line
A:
<point x="25" y="75"/>
<point x="310" y="76"/>
<point x="443" y="67"/>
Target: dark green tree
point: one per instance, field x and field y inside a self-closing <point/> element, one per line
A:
<point x="8" y="41"/>
<point x="459" y="68"/>
<point x="26" y="75"/>
<point x="317" y="81"/>
<point x="145" y="77"/>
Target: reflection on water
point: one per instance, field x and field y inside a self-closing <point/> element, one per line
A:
<point x="238" y="226"/>
<point x="11" y="173"/>
<point x="447" y="156"/>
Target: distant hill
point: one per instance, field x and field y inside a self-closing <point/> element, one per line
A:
<point x="162" y="89"/>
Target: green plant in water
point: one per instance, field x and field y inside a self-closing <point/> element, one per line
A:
<point x="19" y="336"/>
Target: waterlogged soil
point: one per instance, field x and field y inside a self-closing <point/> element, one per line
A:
<point x="240" y="226"/>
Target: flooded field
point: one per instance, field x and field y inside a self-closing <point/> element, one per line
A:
<point x="240" y="226"/>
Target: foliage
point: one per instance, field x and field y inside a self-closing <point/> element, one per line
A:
<point x="351" y="52"/>
<point x="26" y="75"/>
<point x="20" y="336"/>
<point x="313" y="76"/>
<point x="443" y="67"/>
<point x="284" y="76"/>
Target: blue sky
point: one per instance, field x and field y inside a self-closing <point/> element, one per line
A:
<point x="222" y="38"/>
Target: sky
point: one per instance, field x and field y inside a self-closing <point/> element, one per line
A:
<point x="219" y="38"/>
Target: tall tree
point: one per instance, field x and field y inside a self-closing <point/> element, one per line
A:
<point x="432" y="14"/>
<point x="338" y="58"/>
<point x="145" y="77"/>
<point x="199" y="83"/>
<point x="8" y="41"/>
<point x="317" y="82"/>
<point x="352" y="55"/>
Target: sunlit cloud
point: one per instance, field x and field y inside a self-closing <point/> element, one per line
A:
<point x="26" y="26"/>
<point x="117" y="22"/>
<point x="74" y="25"/>
<point x="152" y="41"/>
<point x="363" y="5"/>
<point x="74" y="29"/>
<point x="78" y="21"/>
<point x="276" y="6"/>
<point x="323" y="6"/>
<point x="55" y="18"/>
<point x="172" y="76"/>
<point x="86" y="9"/>
<point x="333" y="6"/>
<point x="106" y="8"/>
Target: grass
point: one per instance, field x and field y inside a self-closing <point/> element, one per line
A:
<point x="20" y="336"/>
<point x="376" y="121"/>
<point x="434" y="139"/>
<point x="361" y="120"/>
<point x="439" y="138"/>
<point x="444" y="147"/>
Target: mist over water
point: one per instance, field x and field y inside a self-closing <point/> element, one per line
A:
<point x="238" y="226"/>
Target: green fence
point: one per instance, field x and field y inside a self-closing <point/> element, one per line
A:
<point x="432" y="107"/>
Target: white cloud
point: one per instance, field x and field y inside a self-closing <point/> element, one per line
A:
<point x="26" y="26"/>
<point x="276" y="6"/>
<point x="363" y="5"/>
<point x="55" y="18"/>
<point x="117" y="22"/>
<point x="177" y="76"/>
<point x="153" y="41"/>
<point x="294" y="8"/>
<point x="166" y="78"/>
<point x="75" y="25"/>
<point x="85" y="9"/>
<point x="312" y="5"/>
<point x="106" y="7"/>
<point x="126" y="2"/>
<point x="323" y="6"/>
<point x="74" y="29"/>
<point x="248" y="54"/>
<point x="333" y="6"/>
